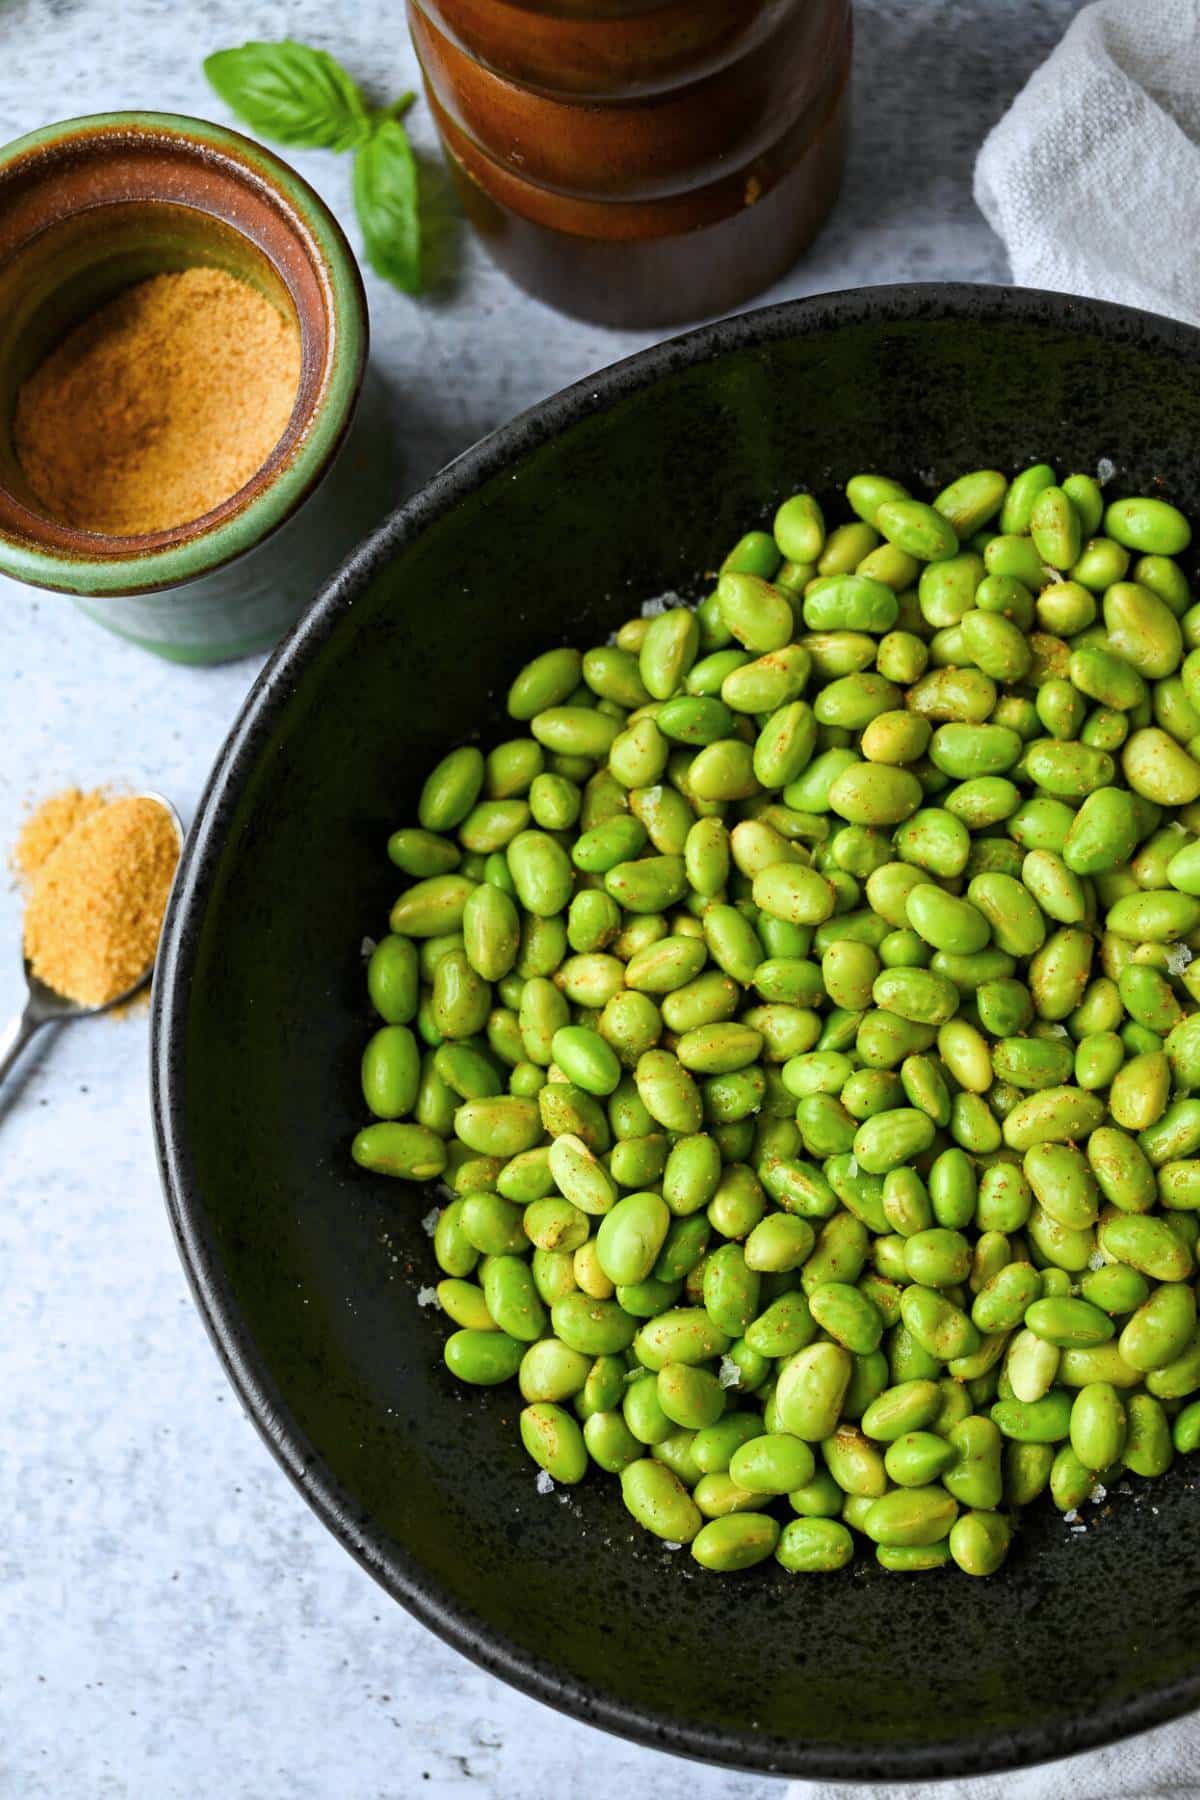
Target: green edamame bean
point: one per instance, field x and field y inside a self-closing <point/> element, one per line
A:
<point x="974" y="1476"/>
<point x="809" y="1393"/>
<point x="483" y="1358"/>
<point x="659" y="1502"/>
<point x="409" y="1152"/>
<point x="1157" y="768"/>
<point x="1185" y="1429"/>
<point x="855" y="1464"/>
<point x="916" y="528"/>
<point x="892" y="1138"/>
<point x="690" y="1397"/>
<point x="846" y="602"/>
<point x="1055" y="528"/>
<point x="910" y="1517"/>
<point x="422" y="853"/>
<point x="1146" y="1244"/>
<point x="1002" y="1302"/>
<point x="1162" y="1327"/>
<point x="941" y="1329"/>
<point x="713" y="1448"/>
<point x="730" y="1290"/>
<point x="668" y="1092"/>
<point x="683" y="1335"/>
<point x="1026" y="1471"/>
<point x="814" y="1546"/>
<point x="1098" y="1425"/>
<point x="758" y="615"/>
<point x="451" y="790"/>
<point x="1068" y="1323"/>
<point x="554" y="1441"/>
<point x="1178" y="1378"/>
<point x="978" y="1542"/>
<point x="1043" y="1421"/>
<point x="918" y="1458"/>
<point x="799" y="529"/>
<point x="1031" y="1365"/>
<point x="585" y="1059"/>
<point x="391" y="1070"/>
<point x="392" y="980"/>
<point x="778" y="1244"/>
<point x="736" y="1542"/>
<point x="1148" y="1449"/>
<point x="668" y="650"/>
<point x="971" y="500"/>
<point x="773" y="1463"/>
<point x="1152" y="526"/>
<point x="610" y="1443"/>
<point x="1115" y="1289"/>
<point x="463" y="1302"/>
<point x="630" y="1237"/>
<point x="1017" y="557"/>
<point x="1056" y="1115"/>
<point x="1023" y="490"/>
<point x="546" y="681"/>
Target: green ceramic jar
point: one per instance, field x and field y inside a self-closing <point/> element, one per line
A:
<point x="89" y="207"/>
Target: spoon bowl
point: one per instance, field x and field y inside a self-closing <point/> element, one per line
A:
<point x="44" y="1005"/>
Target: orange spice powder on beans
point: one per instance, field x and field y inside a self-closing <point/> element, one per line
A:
<point x="97" y="898"/>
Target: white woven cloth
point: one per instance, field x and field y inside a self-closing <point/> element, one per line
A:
<point x="1092" y="178"/>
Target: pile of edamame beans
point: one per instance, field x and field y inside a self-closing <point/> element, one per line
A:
<point x="799" y="1011"/>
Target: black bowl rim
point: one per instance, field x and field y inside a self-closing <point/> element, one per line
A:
<point x="243" y="1362"/>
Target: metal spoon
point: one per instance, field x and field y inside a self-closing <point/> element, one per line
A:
<point x="43" y="1006"/>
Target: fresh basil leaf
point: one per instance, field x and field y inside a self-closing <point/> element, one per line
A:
<point x="386" y="199"/>
<point x="291" y="93"/>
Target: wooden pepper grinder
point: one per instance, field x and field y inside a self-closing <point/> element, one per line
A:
<point x="641" y="162"/>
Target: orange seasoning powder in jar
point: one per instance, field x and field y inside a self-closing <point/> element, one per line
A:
<point x="159" y="406"/>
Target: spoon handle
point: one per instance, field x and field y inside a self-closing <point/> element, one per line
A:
<point x="16" y="1034"/>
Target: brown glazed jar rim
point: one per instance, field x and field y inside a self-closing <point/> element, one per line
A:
<point x="155" y="159"/>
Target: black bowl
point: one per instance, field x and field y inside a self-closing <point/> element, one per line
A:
<point x="307" y="1270"/>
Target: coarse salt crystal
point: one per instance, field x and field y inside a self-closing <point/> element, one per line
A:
<point x="427" y="1296"/>
<point x="1096" y="1259"/>
<point x="1106" y="468"/>
<point x="730" y="1375"/>
<point x="1177" y="958"/>
<point x="1099" y="1493"/>
<point x="367" y="947"/>
<point x="1069" y="1518"/>
<point x="543" y="1483"/>
<point x="672" y="1546"/>
<point x="429" y="1222"/>
<point x="661" y="603"/>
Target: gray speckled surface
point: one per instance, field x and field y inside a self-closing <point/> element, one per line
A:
<point x="173" y="1621"/>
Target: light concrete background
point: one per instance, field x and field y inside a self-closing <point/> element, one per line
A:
<point x="173" y="1620"/>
